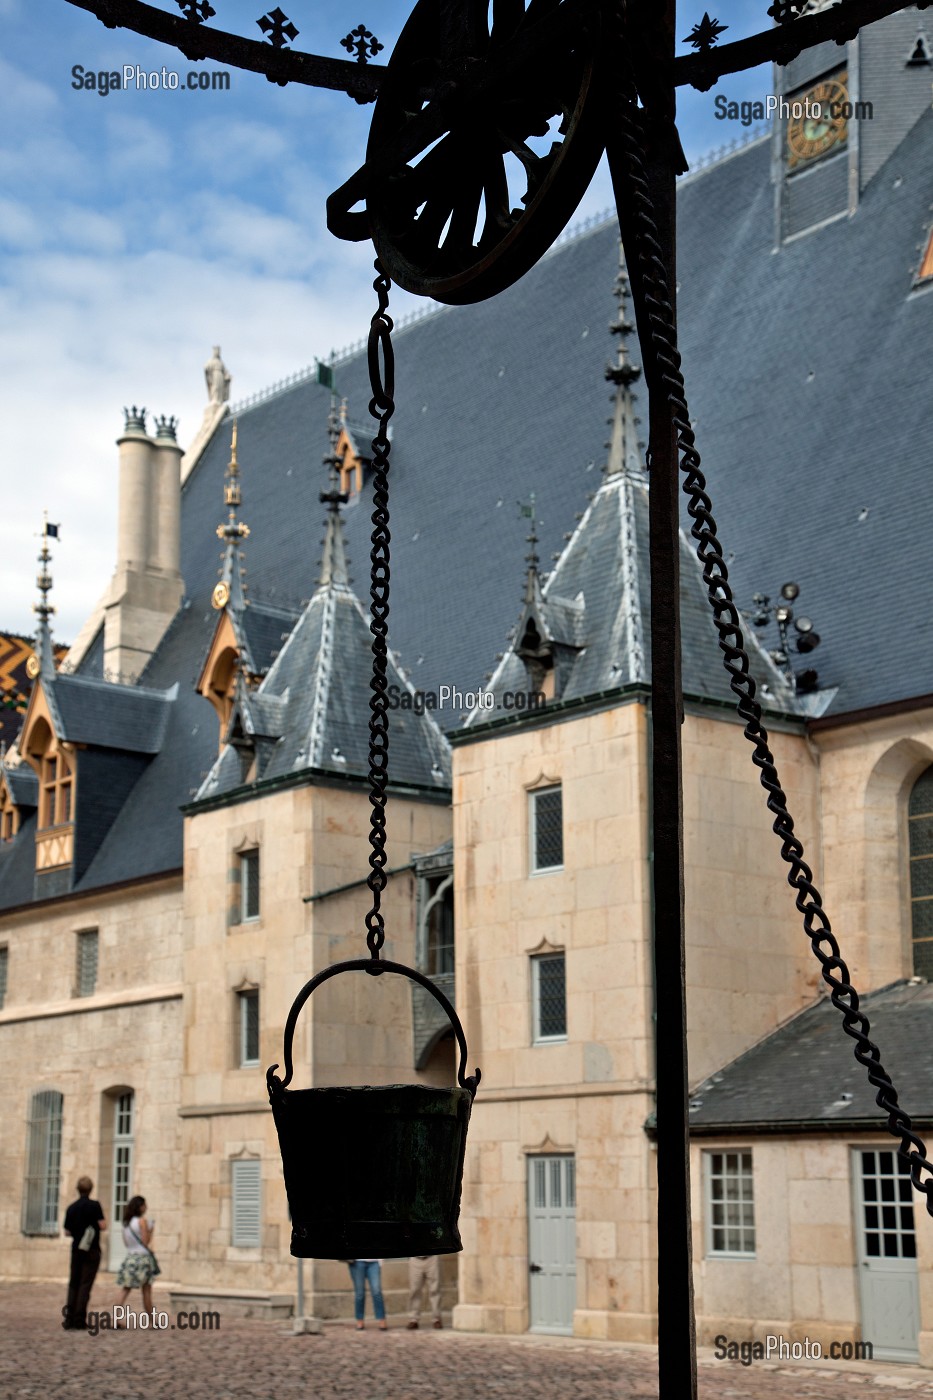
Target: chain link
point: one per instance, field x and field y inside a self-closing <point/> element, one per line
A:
<point x="382" y="405"/>
<point x="649" y="254"/>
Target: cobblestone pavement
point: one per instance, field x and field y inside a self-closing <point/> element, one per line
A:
<point x="250" y="1358"/>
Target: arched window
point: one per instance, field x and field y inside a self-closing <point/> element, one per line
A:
<point x="439" y="926"/>
<point x="56" y="777"/>
<point x="920" y="826"/>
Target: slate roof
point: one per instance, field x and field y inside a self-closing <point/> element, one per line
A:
<point x="807" y="368"/>
<point x="805" y="1073"/>
<point x="605" y="570"/>
<point x="133" y="719"/>
<point x="22" y="782"/>
<point x="314" y="701"/>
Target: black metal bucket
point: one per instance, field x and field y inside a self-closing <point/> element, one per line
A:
<point x="372" y="1172"/>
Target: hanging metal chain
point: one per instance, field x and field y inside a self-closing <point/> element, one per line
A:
<point x="649" y="254"/>
<point x="382" y="405"/>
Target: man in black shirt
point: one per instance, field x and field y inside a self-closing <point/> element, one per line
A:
<point x="84" y="1220"/>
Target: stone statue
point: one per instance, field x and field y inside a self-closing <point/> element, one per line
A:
<point x="217" y="378"/>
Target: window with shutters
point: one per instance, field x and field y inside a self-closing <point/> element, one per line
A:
<point x="920" y="833"/>
<point x="549" y="997"/>
<point x="546" y="829"/>
<point x="4" y="973"/>
<point x="247" y="1203"/>
<point x="86" y="981"/>
<point x="249" y="886"/>
<point x="248" y="1003"/>
<point x="43" y="1163"/>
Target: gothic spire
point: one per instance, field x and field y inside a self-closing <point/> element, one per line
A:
<point x="624" y="450"/>
<point x="231" y="591"/>
<point x="43" y="609"/>
<point x="334" y="558"/>
<point x="532" y="577"/>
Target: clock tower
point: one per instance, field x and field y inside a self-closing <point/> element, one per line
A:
<point x="843" y="111"/>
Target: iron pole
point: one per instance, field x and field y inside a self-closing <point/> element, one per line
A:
<point x="654" y="31"/>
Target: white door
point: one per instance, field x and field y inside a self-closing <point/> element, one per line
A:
<point x="552" y="1243"/>
<point x="888" y="1286"/>
<point x="122" y="1174"/>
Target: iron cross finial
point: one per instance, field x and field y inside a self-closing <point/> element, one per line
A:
<point x="364" y="42"/>
<point x="278" y="28"/>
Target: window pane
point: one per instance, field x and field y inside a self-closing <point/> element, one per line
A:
<point x="43" y="1164"/>
<point x="249" y="885"/>
<point x="923" y="953"/>
<point x="249" y="1028"/>
<point x="570" y="1165"/>
<point x="730" y="1205"/>
<point x="555" y="1181"/>
<point x="87" y="963"/>
<point x="921" y="798"/>
<point x="920" y="830"/>
<point x="548" y="828"/>
<point x="540" y="1199"/>
<point x="550" y="983"/>
<point x="921" y="876"/>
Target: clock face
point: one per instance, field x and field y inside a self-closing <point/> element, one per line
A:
<point x="221" y="595"/>
<point x="32" y="666"/>
<point x="818" y="122"/>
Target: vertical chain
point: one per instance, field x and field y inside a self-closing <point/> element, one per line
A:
<point x="663" y="347"/>
<point x="382" y="405"/>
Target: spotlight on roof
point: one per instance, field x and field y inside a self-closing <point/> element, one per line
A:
<point x="790" y="591"/>
<point x="808" y="642"/>
<point x="807" y="681"/>
<point x="804" y="624"/>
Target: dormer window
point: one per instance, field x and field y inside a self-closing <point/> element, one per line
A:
<point x="55" y="770"/>
<point x="55" y="790"/>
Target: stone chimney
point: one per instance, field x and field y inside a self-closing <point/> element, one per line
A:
<point x="147" y="585"/>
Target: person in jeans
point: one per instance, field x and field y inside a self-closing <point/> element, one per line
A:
<point x="424" y="1270"/>
<point x="84" y="1220"/>
<point x="360" y="1271"/>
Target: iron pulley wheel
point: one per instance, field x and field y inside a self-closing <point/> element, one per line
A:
<point x="468" y="187"/>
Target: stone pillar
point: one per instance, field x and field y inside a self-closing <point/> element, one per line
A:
<point x="137" y="466"/>
<point x="165" y="544"/>
<point x="147" y="586"/>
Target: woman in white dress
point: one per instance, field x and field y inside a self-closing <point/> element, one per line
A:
<point x="139" y="1266"/>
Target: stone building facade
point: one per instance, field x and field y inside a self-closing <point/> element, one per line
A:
<point x="185" y="812"/>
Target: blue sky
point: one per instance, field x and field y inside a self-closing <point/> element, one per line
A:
<point x="140" y="228"/>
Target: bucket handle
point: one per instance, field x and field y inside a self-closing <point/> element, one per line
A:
<point x="375" y="968"/>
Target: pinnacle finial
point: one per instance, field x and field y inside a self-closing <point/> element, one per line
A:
<point x="334" y="558"/>
<point x="231" y="590"/>
<point x="532" y="582"/>
<point x="624" y="449"/>
<point x="44" y="609"/>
